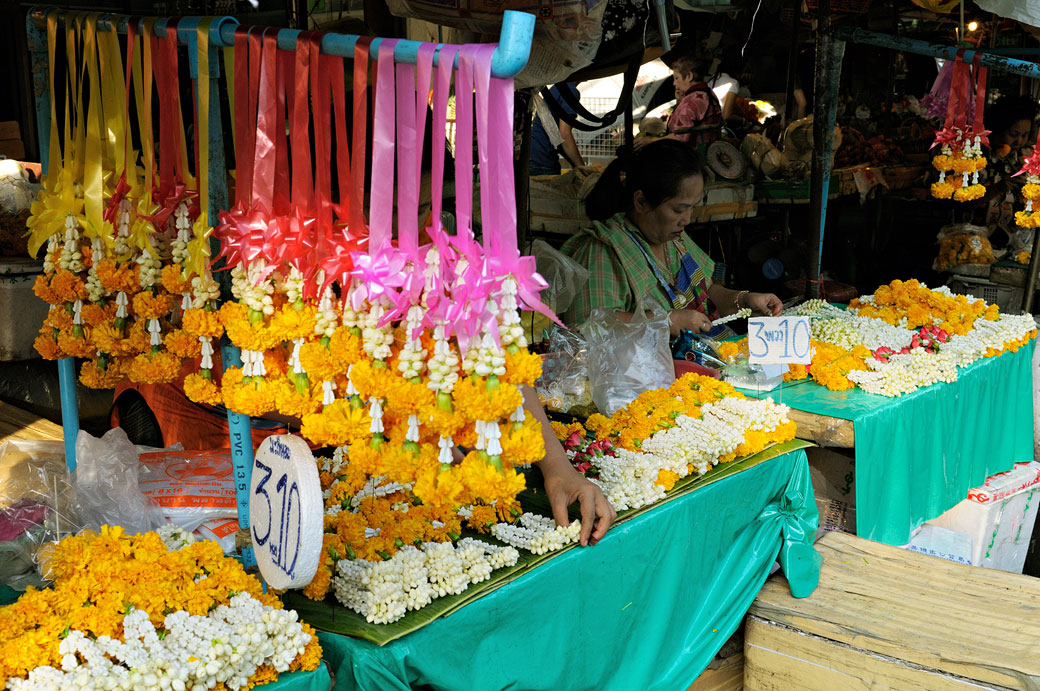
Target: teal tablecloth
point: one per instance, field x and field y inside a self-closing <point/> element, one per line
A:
<point x="646" y="608"/>
<point x="917" y="455"/>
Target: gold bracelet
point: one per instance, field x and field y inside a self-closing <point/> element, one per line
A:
<point x="740" y="295"/>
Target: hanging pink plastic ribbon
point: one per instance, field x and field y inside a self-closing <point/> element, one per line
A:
<point x="949" y="134"/>
<point x="437" y="300"/>
<point x="380" y="271"/>
<point x="978" y="129"/>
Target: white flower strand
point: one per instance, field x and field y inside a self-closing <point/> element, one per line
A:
<point x="413" y="355"/>
<point x="71" y="259"/>
<point x="248" y="288"/>
<point x="95" y="291"/>
<point x="52" y="247"/>
<point x="537" y="534"/>
<point x="443" y="365"/>
<point x="510" y="329"/>
<point x="384" y="591"/>
<point x="377" y="340"/>
<point x="226" y="646"/>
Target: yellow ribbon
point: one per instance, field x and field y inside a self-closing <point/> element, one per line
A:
<point x="198" y="248"/>
<point x="93" y="188"/>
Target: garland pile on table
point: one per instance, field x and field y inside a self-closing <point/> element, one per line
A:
<point x="641" y="451"/>
<point x="134" y="612"/>
<point x="903" y="337"/>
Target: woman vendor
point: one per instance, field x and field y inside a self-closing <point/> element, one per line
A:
<point x="1010" y="121"/>
<point x="638" y="249"/>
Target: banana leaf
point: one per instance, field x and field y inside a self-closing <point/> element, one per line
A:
<point x="329" y="615"/>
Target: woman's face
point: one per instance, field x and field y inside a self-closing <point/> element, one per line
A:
<point x="668" y="220"/>
<point x="683" y="82"/>
<point x="1017" y="135"/>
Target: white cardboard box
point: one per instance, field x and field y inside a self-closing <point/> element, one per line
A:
<point x="998" y="517"/>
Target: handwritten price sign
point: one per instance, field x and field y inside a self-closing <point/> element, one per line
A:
<point x="286" y="512"/>
<point x="779" y="340"/>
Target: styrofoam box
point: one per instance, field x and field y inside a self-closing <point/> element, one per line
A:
<point x="21" y="312"/>
<point x="998" y="517"/>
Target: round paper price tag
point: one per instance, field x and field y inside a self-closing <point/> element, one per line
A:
<point x="286" y="512"/>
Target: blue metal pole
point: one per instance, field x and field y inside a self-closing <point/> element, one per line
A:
<point x="829" y="53"/>
<point x="910" y="45"/>
<point x="37" y="38"/>
<point x="241" y="455"/>
<point x="514" y="47"/>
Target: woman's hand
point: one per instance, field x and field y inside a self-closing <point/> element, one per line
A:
<point x="690" y="320"/>
<point x="765" y="304"/>
<point x="566" y="486"/>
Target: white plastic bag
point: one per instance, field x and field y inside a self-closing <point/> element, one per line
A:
<point x="627" y="358"/>
<point x="105" y="483"/>
<point x="189" y="486"/>
<point x="565" y="276"/>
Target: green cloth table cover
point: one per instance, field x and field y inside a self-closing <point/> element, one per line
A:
<point x="917" y="455"/>
<point x="646" y="608"/>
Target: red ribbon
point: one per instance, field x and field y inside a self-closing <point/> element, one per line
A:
<point x="978" y="129"/>
<point x="358" y="225"/>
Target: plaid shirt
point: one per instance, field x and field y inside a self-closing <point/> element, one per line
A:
<point x="618" y="272"/>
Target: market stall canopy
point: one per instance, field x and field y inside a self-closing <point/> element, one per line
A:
<point x="1025" y="12"/>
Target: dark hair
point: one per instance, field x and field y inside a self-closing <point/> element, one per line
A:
<point x="657" y="169"/>
<point x="1007" y="111"/>
<point x="692" y="65"/>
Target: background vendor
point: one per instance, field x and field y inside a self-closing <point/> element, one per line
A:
<point x="637" y="247"/>
<point x="696" y="103"/>
<point x="1010" y="121"/>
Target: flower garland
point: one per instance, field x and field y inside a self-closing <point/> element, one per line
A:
<point x="127" y="608"/>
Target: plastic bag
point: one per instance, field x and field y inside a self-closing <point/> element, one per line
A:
<point x="35" y="506"/>
<point x="963" y="243"/>
<point x="564" y="384"/>
<point x="189" y="486"/>
<point x="565" y="276"/>
<point x="627" y="358"/>
<point x="106" y="484"/>
<point x="219" y="530"/>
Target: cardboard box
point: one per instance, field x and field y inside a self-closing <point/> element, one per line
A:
<point x="999" y="517"/>
<point x="833" y="474"/>
<point x="885" y="618"/>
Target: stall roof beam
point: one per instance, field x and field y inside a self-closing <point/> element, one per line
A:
<point x="910" y="45"/>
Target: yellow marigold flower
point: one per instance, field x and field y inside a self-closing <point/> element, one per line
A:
<point x="523" y="444"/>
<point x="969" y="193"/>
<point x="1031" y="190"/>
<point x="76" y="346"/>
<point x="201" y="390"/>
<point x="666" y="478"/>
<point x="476" y="400"/>
<point x="942" y="162"/>
<point x="116" y="277"/>
<point x="93" y="376"/>
<point x="523" y="367"/>
<point x="437" y="487"/>
<point x="154" y="368"/>
<point x="246" y="335"/>
<point x="337" y="424"/>
<point x="293" y="321"/>
<point x="246" y="397"/>
<point x="347" y="348"/>
<point x="482" y="518"/>
<point x="942" y="190"/>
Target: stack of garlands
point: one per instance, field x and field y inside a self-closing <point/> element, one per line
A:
<point x="1030" y="216"/>
<point x="903" y="337"/>
<point x="420" y="350"/>
<point x="664" y="435"/>
<point x="122" y="261"/>
<point x="133" y="612"/>
<point x="961" y="142"/>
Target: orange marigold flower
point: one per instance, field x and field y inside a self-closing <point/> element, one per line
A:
<point x="318" y="361"/>
<point x="76" y="346"/>
<point x="68" y="287"/>
<point x="182" y="344"/>
<point x="43" y="290"/>
<point x="294" y="321"/>
<point x="46" y="345"/>
<point x="172" y="278"/>
<point x="93" y="376"/>
<point x="244" y="333"/>
<point x="202" y="322"/>
<point x="347" y="348"/>
<point x="152" y="306"/>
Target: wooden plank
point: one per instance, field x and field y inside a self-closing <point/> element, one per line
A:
<point x="727" y="675"/>
<point x="924" y="610"/>
<point x="779" y="658"/>
<point x="824" y="430"/>
<point x="16" y="423"/>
